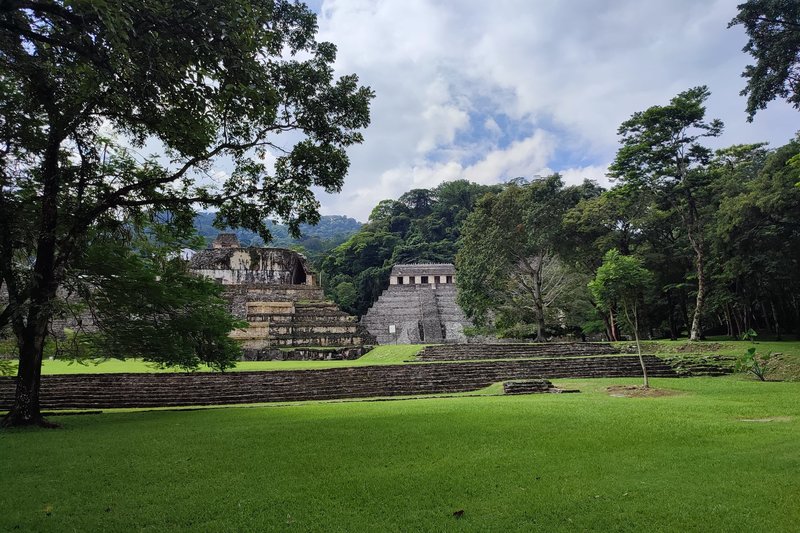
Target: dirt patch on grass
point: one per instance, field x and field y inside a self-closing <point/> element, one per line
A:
<point x="637" y="391"/>
<point x="767" y="419"/>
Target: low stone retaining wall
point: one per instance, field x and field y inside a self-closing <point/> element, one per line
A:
<point x="305" y="354"/>
<point x="101" y="391"/>
<point x="530" y="386"/>
<point x="456" y="352"/>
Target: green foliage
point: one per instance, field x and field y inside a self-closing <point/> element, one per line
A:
<point x="148" y="305"/>
<point x="758" y="365"/>
<point x="424" y="225"/>
<point x="749" y="335"/>
<point x="620" y="280"/>
<point x="773" y="28"/>
<point x="661" y="144"/>
<point x="345" y="294"/>
<point x="7" y="367"/>
<point x="510" y="266"/>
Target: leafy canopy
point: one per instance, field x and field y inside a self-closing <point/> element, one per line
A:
<point x="773" y="27"/>
<point x="620" y="280"/>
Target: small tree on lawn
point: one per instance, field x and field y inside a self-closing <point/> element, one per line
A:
<point x="621" y="282"/>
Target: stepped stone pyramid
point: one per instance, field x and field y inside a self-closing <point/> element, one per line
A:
<point x="276" y="292"/>
<point x="418" y="307"/>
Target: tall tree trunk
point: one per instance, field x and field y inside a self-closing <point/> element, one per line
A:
<point x="775" y="317"/>
<point x="538" y="300"/>
<point x="609" y="328"/>
<point x="614" y="326"/>
<point x="696" y="331"/>
<point x="634" y="324"/>
<point x="728" y="321"/>
<point x="44" y="284"/>
<point x="739" y="325"/>
<point x="26" y="409"/>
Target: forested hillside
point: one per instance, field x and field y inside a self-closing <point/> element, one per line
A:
<point x="423" y="225"/>
<point x="331" y="231"/>
<point x="718" y="230"/>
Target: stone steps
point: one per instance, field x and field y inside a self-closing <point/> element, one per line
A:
<point x="85" y="391"/>
<point x="420" y="313"/>
<point x="456" y="352"/>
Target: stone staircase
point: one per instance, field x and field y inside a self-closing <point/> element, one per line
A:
<point x="420" y="313"/>
<point x="463" y="352"/>
<point x="431" y="321"/>
<point x="291" y="316"/>
<point x="104" y="391"/>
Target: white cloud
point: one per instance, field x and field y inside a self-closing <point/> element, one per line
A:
<point x="523" y="158"/>
<point x="576" y="175"/>
<point x="491" y="90"/>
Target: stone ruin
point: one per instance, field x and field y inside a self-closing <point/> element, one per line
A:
<point x="276" y="292"/>
<point x="418" y="307"/>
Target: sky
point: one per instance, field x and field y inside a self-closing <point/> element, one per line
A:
<point x="493" y="90"/>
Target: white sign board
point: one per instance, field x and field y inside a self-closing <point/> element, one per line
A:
<point x="392" y="328"/>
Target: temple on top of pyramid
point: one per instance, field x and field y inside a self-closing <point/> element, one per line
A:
<point x="419" y="306"/>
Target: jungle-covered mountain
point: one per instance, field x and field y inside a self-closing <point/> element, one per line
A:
<point x="331" y="231"/>
<point x="423" y="225"/>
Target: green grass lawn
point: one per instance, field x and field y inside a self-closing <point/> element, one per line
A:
<point x="785" y="367"/>
<point x="576" y="462"/>
<point x="380" y="355"/>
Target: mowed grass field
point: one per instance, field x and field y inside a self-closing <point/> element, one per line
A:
<point x="722" y="454"/>
<point x="380" y="355"/>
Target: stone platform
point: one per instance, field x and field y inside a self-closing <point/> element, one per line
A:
<point x="463" y="352"/>
<point x="532" y="386"/>
<point x="104" y="391"/>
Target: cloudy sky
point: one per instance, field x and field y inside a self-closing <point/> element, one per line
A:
<point x="492" y="90"/>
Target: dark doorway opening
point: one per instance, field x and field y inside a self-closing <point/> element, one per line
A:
<point x="298" y="275"/>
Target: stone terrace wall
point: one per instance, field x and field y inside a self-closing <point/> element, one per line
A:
<point x="455" y="352"/>
<point x="103" y="391"/>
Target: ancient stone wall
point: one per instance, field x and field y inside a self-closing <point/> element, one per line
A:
<point x="101" y="391"/>
<point x="276" y="293"/>
<point x="238" y="266"/>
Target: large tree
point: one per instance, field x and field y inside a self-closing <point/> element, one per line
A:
<point x="240" y="81"/>
<point x="508" y="262"/>
<point x="662" y="155"/>
<point x="773" y="27"/>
